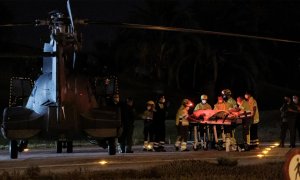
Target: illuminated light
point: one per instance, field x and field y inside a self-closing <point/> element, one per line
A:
<point x="103" y="162"/>
<point x="26" y="150"/>
<point x="268" y="149"/>
<point x="260" y="155"/>
<point x="149" y="146"/>
<point x="276" y="144"/>
<point x="265" y="152"/>
<point x="272" y="146"/>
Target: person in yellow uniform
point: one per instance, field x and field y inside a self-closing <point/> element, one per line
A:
<point x="254" y="141"/>
<point x="242" y="130"/>
<point x="227" y="96"/>
<point x="220" y="105"/>
<point x="182" y="125"/>
<point x="199" y="128"/>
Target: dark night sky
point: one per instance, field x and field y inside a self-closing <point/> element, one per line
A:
<point x="29" y="10"/>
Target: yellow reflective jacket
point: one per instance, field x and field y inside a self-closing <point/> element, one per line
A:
<point x="181" y="116"/>
<point x="201" y="106"/>
<point x="252" y="104"/>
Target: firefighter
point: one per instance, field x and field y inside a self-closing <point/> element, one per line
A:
<point x="227" y="98"/>
<point x="148" y="126"/>
<point x="242" y="130"/>
<point x="232" y="105"/>
<point x="220" y="105"/>
<point x="254" y="141"/>
<point x="182" y="125"/>
<point x="159" y="120"/>
<point x="203" y="105"/>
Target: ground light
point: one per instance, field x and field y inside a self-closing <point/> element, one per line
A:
<point x="260" y="155"/>
<point x="102" y="162"/>
<point x="26" y="150"/>
<point x="276" y="144"/>
<point x="265" y="152"/>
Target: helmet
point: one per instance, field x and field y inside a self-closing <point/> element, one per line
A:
<point x="226" y="92"/>
<point x="187" y="102"/>
<point x="150" y="103"/>
<point x="204" y="96"/>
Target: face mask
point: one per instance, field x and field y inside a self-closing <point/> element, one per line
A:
<point x="203" y="101"/>
<point x="295" y="101"/>
<point x="220" y="101"/>
<point x="246" y="96"/>
<point x="148" y="107"/>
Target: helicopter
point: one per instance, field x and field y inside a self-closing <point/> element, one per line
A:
<point x="63" y="104"/>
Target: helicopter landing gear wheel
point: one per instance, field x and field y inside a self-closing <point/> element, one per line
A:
<point x="13" y="149"/>
<point x="69" y="146"/>
<point x="112" y="146"/>
<point x="59" y="146"/>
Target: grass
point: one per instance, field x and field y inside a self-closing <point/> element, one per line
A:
<point x="188" y="169"/>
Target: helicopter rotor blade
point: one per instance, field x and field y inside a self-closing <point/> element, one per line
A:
<point x="34" y="23"/>
<point x="185" y="30"/>
<point x="70" y="14"/>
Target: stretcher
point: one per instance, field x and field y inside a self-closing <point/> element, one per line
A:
<point x="206" y="118"/>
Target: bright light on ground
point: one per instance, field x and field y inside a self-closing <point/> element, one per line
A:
<point x="26" y="150"/>
<point x="268" y="149"/>
<point x="272" y="146"/>
<point x="276" y="144"/>
<point x="260" y="155"/>
<point x="103" y="162"/>
<point x="265" y="152"/>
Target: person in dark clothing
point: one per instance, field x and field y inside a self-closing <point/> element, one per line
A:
<point x="289" y="115"/>
<point x="297" y="103"/>
<point x="127" y="116"/>
<point x="159" y="119"/>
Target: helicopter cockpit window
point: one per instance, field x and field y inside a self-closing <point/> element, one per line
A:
<point x="20" y="90"/>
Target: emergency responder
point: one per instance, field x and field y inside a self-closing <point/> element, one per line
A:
<point x="159" y="119"/>
<point x="227" y="96"/>
<point x="242" y="130"/>
<point x="182" y="125"/>
<point x="297" y="103"/>
<point x="199" y="128"/>
<point x="148" y="126"/>
<point x="127" y="114"/>
<point x="254" y="141"/>
<point x="289" y="115"/>
<point x="220" y="105"/>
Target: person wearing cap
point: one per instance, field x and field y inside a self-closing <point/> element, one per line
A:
<point x="203" y="105"/>
<point x="147" y="116"/>
<point x="182" y="125"/>
<point x="159" y="126"/>
<point x="254" y="141"/>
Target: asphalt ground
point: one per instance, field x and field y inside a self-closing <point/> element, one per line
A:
<point x="95" y="158"/>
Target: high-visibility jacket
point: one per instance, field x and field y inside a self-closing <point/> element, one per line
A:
<point x="221" y="106"/>
<point x="201" y="106"/>
<point x="231" y="103"/>
<point x="252" y="104"/>
<point x="181" y="116"/>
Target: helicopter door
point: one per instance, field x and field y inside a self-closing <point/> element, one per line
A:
<point x="20" y="90"/>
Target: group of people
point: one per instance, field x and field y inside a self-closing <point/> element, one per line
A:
<point x="290" y="114"/>
<point x="241" y="139"/>
<point x="155" y="115"/>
